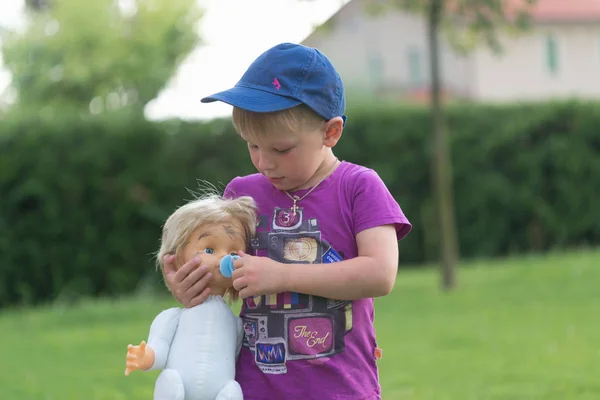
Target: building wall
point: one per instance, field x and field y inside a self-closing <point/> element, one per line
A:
<point x="559" y="60"/>
<point x="386" y="52"/>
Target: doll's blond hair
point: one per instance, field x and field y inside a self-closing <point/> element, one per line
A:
<point x="208" y="209"/>
<point x="296" y="119"/>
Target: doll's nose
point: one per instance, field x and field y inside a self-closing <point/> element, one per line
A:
<point x="226" y="265"/>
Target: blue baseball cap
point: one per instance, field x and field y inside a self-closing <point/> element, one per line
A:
<point x="286" y="76"/>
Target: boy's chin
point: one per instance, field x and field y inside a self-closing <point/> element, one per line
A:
<point x="277" y="182"/>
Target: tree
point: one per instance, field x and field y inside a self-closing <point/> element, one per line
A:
<point x="441" y="167"/>
<point x="98" y="55"/>
<point x="466" y="24"/>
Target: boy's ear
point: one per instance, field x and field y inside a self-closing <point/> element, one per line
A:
<point x="333" y="131"/>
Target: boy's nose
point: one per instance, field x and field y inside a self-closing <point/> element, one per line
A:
<point x="265" y="164"/>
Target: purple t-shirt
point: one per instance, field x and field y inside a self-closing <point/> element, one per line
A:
<point x="298" y="346"/>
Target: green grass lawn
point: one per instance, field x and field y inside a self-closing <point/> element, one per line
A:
<point x="525" y="328"/>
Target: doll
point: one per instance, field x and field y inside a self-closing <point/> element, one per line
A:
<point x="196" y="348"/>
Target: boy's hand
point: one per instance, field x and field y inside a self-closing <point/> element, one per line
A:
<point x="189" y="284"/>
<point x="254" y="276"/>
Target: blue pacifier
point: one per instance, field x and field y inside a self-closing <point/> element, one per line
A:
<point x="226" y="265"/>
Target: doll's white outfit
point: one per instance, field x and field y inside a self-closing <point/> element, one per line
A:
<point x="197" y="350"/>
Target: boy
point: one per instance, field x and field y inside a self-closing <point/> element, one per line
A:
<point x="326" y="242"/>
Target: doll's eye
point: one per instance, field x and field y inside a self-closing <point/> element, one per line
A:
<point x="233" y="253"/>
<point x="208" y="250"/>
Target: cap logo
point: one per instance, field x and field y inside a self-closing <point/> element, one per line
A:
<point x="276" y="84"/>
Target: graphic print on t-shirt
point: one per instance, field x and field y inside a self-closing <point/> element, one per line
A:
<point x="288" y="326"/>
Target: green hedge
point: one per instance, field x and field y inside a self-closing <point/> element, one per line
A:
<point x="82" y="201"/>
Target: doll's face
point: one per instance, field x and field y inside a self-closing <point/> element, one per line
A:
<point x="213" y="242"/>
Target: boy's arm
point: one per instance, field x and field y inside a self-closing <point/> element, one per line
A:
<point x="371" y="274"/>
<point x="378" y="223"/>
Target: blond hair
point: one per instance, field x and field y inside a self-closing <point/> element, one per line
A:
<point x="206" y="210"/>
<point x="296" y="119"/>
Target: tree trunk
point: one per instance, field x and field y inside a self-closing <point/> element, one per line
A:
<point x="441" y="161"/>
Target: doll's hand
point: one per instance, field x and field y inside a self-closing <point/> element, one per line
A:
<point x="254" y="276"/>
<point x="135" y="354"/>
<point x="189" y="284"/>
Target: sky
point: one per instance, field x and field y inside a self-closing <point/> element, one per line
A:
<point x="234" y="33"/>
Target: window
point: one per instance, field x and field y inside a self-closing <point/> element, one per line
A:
<point x="415" y="66"/>
<point x="552" y="54"/>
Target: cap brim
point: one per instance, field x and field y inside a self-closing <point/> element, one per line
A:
<point x="252" y="99"/>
